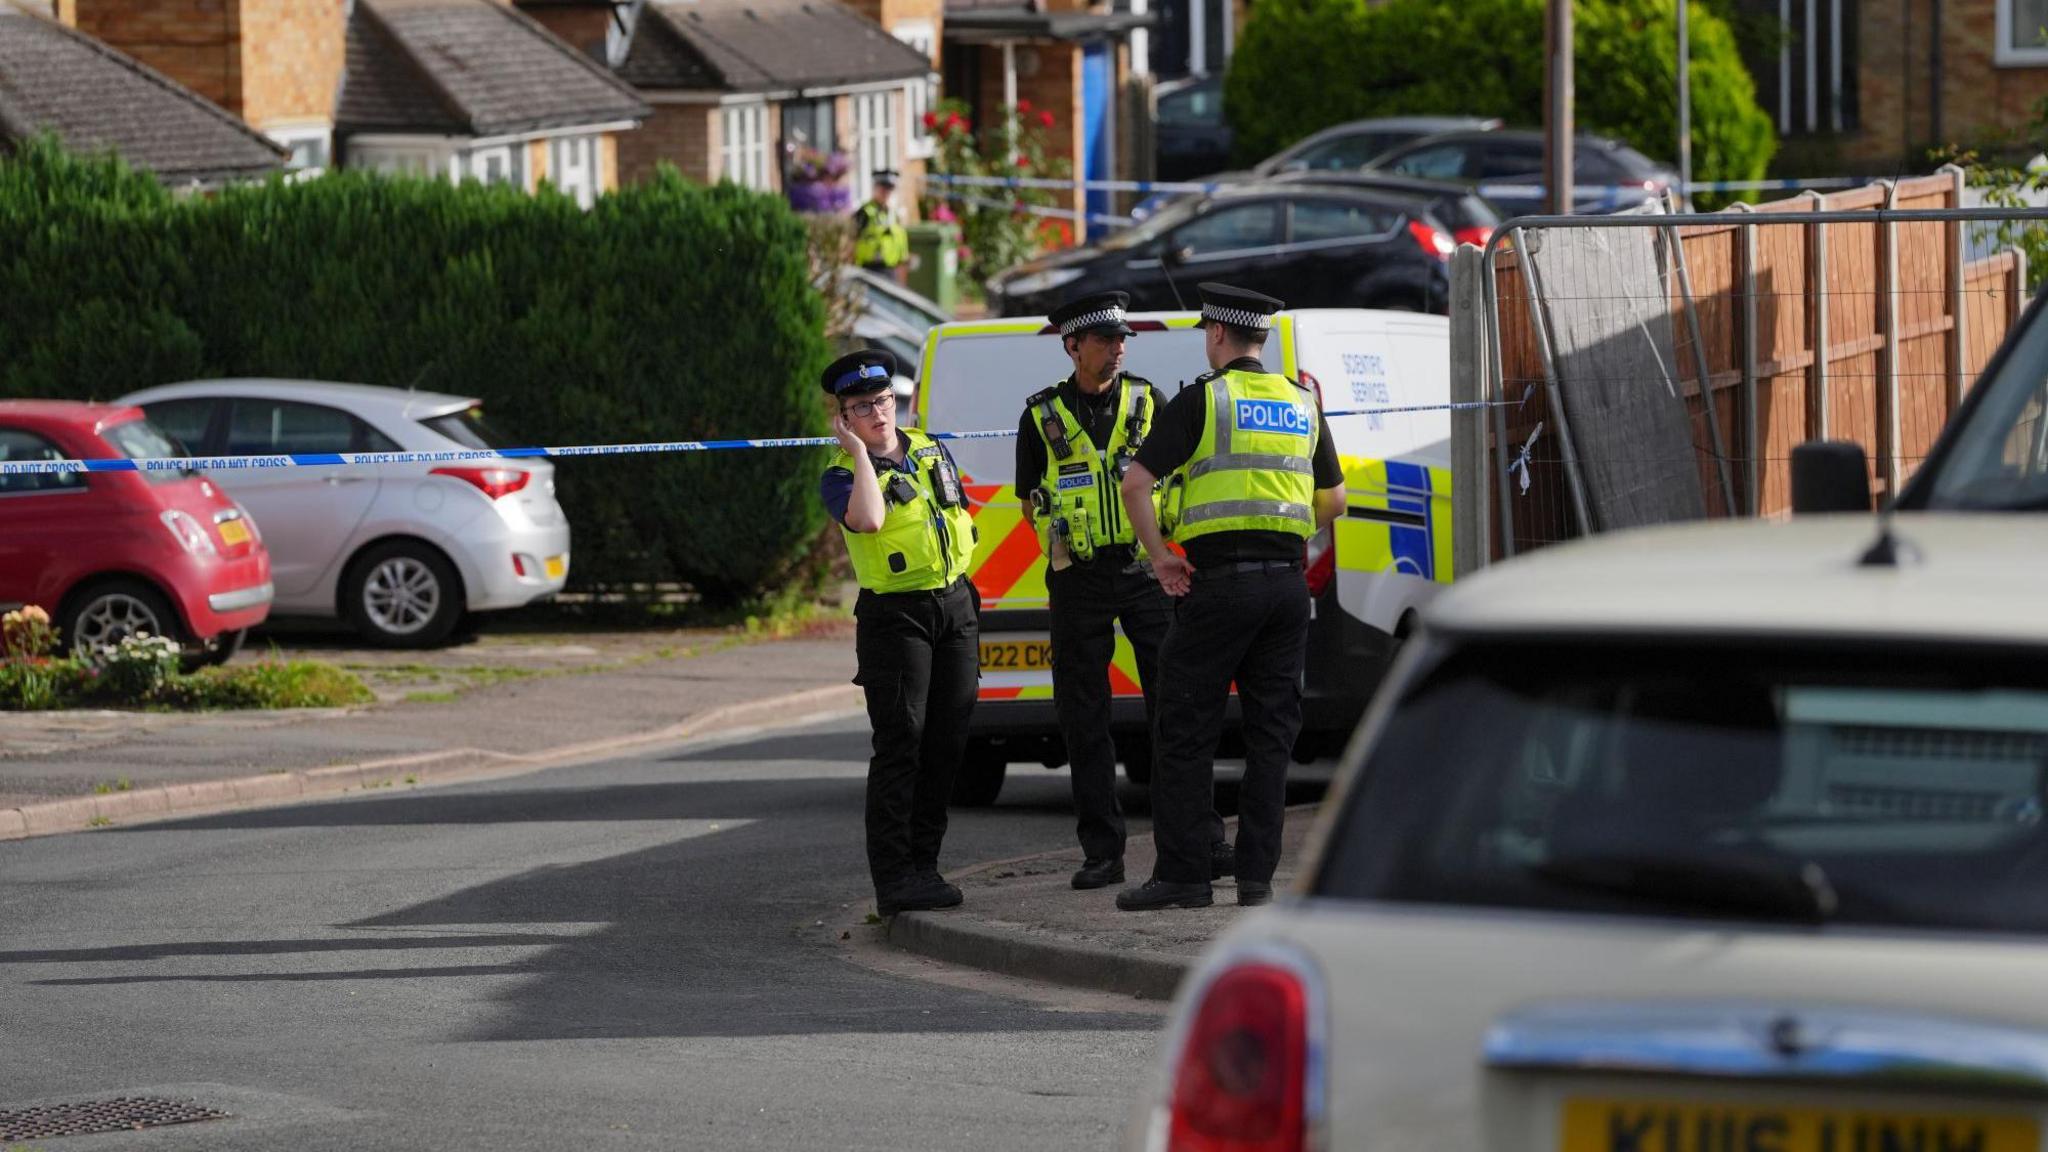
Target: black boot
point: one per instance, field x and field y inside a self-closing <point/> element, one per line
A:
<point x="1099" y="873"/>
<point x="919" y="893"/>
<point x="1156" y="894"/>
<point x="1222" y="860"/>
<point x="1254" y="892"/>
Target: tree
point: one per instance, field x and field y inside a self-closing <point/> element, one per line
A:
<point x="1304" y="65"/>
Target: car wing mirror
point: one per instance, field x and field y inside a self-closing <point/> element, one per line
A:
<point x="1177" y="255"/>
<point x="1830" y="476"/>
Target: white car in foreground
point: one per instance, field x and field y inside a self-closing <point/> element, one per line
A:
<point x="1718" y="838"/>
<point x="409" y="554"/>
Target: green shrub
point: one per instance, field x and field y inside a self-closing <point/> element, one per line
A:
<point x="1303" y="65"/>
<point x="140" y="678"/>
<point x="670" y="311"/>
<point x="268" y="684"/>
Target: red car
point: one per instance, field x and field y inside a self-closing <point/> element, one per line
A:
<point x="111" y="554"/>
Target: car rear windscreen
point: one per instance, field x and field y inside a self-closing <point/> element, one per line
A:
<point x="469" y="429"/>
<point x="1898" y="787"/>
<point x="141" y="440"/>
<point x="979" y="383"/>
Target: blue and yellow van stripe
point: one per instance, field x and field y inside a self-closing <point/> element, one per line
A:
<point x="1397" y="519"/>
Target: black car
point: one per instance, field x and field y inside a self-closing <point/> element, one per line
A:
<point x="1459" y="209"/>
<point x="1191" y="137"/>
<point x="1312" y="245"/>
<point x="1507" y="165"/>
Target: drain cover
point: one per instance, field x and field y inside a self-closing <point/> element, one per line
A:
<point x="118" y="1115"/>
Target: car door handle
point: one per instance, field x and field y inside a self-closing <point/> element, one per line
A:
<point x="346" y="479"/>
<point x="1742" y="1040"/>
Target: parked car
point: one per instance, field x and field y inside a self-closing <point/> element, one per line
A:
<point x="1190" y="134"/>
<point x="1716" y="836"/>
<point x="116" y="554"/>
<point x="408" y="554"/>
<point x="1313" y="246"/>
<point x="1459" y="209"/>
<point x="1607" y="175"/>
<point x="1339" y="148"/>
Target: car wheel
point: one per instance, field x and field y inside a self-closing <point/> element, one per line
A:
<point x="106" y="614"/>
<point x="402" y="594"/>
<point x="979" y="779"/>
<point x="219" y="650"/>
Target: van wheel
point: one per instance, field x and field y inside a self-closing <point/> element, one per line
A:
<point x="106" y="614"/>
<point x="402" y="594"/>
<point x="979" y="779"/>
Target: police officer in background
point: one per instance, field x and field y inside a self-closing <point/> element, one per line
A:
<point x="880" y="243"/>
<point x="898" y="500"/>
<point x="1253" y="474"/>
<point x="1073" y="444"/>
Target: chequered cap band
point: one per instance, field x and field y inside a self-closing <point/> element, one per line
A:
<point x="1091" y="320"/>
<point x="1237" y="317"/>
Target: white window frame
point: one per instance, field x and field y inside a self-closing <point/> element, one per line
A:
<point x="743" y="145"/>
<point x="574" y="167"/>
<point x="921" y="95"/>
<point x="874" y="136"/>
<point x="318" y="138"/>
<point x="403" y="159"/>
<point x="2008" y="55"/>
<point x="476" y="164"/>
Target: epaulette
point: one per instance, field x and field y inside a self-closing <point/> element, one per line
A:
<point x="1211" y="374"/>
<point x="1044" y="397"/>
<point x="1134" y="378"/>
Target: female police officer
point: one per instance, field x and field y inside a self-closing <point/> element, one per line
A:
<point x="897" y="497"/>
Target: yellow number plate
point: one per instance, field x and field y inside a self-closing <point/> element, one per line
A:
<point x="233" y="532"/>
<point x="556" y="566"/>
<point x="1672" y="1126"/>
<point x="1016" y="655"/>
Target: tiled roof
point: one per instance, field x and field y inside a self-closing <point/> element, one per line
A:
<point x="470" y="67"/>
<point x="763" y="45"/>
<point x="54" y="79"/>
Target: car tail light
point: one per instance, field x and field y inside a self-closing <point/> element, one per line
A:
<point x="1320" y="560"/>
<point x="189" y="533"/>
<point x="492" y="482"/>
<point x="1479" y="235"/>
<point x="1244" y="1078"/>
<point x="1432" y="239"/>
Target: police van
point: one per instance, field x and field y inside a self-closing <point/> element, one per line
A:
<point x="1370" y="572"/>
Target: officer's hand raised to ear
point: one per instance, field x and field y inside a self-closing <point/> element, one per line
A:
<point x="851" y="443"/>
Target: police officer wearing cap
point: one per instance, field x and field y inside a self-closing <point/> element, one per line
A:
<point x="1073" y="444"/>
<point x="897" y="497"/>
<point x="880" y="243"/>
<point x="1250" y="474"/>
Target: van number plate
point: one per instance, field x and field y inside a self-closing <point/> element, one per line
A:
<point x="1016" y="655"/>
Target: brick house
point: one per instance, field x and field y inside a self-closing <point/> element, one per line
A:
<point x="737" y="85"/>
<point x="467" y="89"/>
<point x="94" y="99"/>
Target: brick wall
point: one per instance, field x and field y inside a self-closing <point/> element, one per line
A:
<point x="66" y="11"/>
<point x="293" y="52"/>
<point x="1049" y="76"/>
<point x="685" y="135"/>
<point x="1979" y="99"/>
<point x="582" y="27"/>
<point x="195" y="42"/>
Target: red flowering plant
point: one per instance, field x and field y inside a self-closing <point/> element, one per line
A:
<point x="997" y="223"/>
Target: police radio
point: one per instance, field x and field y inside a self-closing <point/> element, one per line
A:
<point x="1055" y="432"/>
<point x="946" y="484"/>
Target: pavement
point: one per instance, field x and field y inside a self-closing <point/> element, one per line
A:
<point x="514" y="703"/>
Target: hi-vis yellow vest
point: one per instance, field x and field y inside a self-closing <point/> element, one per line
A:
<point x="1083" y="486"/>
<point x="1254" y="469"/>
<point x="880" y="239"/>
<point x="920" y="545"/>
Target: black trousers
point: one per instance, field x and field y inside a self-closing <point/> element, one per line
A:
<point x="920" y="662"/>
<point x="1087" y="600"/>
<point x="1251" y="627"/>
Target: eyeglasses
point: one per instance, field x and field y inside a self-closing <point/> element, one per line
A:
<point x="866" y="408"/>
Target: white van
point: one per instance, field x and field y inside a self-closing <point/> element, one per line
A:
<point x="1370" y="573"/>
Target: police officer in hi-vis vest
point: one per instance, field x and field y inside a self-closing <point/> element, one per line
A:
<point x="1251" y="473"/>
<point x="1073" y="444"/>
<point x="880" y="243"/>
<point x="897" y="497"/>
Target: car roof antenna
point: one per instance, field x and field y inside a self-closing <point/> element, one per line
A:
<point x="1887" y="550"/>
<point x="1166" y="266"/>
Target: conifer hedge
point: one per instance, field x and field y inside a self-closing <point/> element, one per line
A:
<point x="670" y="311"/>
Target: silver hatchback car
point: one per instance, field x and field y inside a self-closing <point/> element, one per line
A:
<point x="408" y="554"/>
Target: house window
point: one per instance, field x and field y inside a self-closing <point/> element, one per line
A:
<point x="921" y="94"/>
<point x="573" y="167"/>
<point x="874" y="127"/>
<point x="2022" y="32"/>
<point x="309" y="147"/>
<point x="496" y="165"/>
<point x="743" y="148"/>
<point x="396" y="160"/>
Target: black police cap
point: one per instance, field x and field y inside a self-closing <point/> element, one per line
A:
<point x="1100" y="312"/>
<point x="868" y="370"/>
<point x="1237" y="307"/>
<point x="886" y="176"/>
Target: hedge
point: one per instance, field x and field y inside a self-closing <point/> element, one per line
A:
<point x="669" y="311"/>
<point x="1303" y="65"/>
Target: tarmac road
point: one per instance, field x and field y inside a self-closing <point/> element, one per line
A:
<point x="642" y="953"/>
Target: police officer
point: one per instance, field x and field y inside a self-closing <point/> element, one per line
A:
<point x="1252" y="474"/>
<point x="897" y="497"/>
<point x="1073" y="444"/>
<point x="880" y="243"/>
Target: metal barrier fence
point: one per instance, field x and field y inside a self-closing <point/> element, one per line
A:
<point x="1650" y="367"/>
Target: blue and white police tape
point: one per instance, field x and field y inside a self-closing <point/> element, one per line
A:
<point x="1041" y="210"/>
<point x="489" y="455"/>
<point x="1070" y="185"/>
